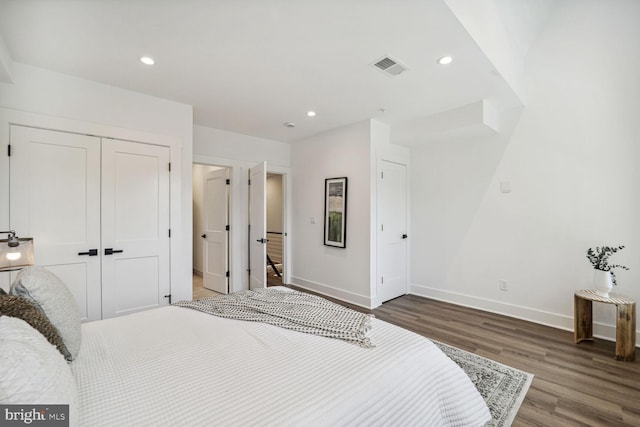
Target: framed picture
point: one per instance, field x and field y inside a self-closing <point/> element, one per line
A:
<point x="335" y="212"/>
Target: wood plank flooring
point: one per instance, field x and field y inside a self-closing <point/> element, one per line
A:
<point x="574" y="385"/>
<point x="199" y="291"/>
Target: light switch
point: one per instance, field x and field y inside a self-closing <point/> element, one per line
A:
<point x="505" y="187"/>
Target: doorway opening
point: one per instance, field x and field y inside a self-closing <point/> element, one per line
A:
<point x="275" y="229"/>
<point x="268" y="254"/>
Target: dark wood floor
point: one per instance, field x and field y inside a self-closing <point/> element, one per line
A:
<point x="573" y="385"/>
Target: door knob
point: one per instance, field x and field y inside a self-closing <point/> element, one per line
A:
<point x="262" y="240"/>
<point x="404" y="236"/>
<point x="90" y="252"/>
<point x="204" y="236"/>
<point x="111" y="251"/>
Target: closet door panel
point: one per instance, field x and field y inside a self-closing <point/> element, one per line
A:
<point x="55" y="198"/>
<point x="136" y="197"/>
<point x="136" y="283"/>
<point x="135" y="227"/>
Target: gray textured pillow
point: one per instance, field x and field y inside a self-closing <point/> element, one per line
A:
<point x="15" y="306"/>
<point x="46" y="291"/>
<point x="32" y="371"/>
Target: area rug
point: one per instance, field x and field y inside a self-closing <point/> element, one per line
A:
<point x="501" y="386"/>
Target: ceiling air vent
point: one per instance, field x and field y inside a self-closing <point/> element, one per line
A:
<point x="390" y="66"/>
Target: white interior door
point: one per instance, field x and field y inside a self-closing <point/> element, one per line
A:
<point x="55" y="198"/>
<point x="258" y="226"/>
<point x="135" y="227"/>
<point x="215" y="233"/>
<point x="392" y="231"/>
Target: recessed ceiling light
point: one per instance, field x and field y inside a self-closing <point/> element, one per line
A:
<point x="445" y="60"/>
<point x="311" y="113"/>
<point x="147" y="60"/>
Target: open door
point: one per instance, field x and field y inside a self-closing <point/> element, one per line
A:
<point x="258" y="226"/>
<point x="215" y="236"/>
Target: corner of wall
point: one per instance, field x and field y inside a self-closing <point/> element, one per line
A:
<point x="6" y="63"/>
<point x="483" y="21"/>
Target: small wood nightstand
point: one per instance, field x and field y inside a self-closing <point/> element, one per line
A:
<point x="625" y="323"/>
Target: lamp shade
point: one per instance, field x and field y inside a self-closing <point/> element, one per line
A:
<point x="14" y="256"/>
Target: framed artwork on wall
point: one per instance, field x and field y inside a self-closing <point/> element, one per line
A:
<point x="335" y="212"/>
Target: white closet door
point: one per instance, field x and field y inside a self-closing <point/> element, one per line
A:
<point x="135" y="227"/>
<point x="392" y="230"/>
<point x="55" y="198"/>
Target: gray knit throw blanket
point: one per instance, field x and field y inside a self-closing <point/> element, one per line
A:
<point x="293" y="310"/>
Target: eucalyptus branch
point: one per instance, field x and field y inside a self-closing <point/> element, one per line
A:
<point x="599" y="258"/>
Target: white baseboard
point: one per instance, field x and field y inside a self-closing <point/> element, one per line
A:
<point x="600" y="330"/>
<point x="350" y="297"/>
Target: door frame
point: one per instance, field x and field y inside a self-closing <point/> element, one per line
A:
<point x="286" y="218"/>
<point x="395" y="154"/>
<point x="380" y="167"/>
<point x="239" y="212"/>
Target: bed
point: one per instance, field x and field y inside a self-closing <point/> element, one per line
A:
<point x="177" y="366"/>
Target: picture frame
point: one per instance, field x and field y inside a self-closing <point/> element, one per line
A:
<point x="335" y="212"/>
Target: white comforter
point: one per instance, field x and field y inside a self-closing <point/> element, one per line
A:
<point x="174" y="366"/>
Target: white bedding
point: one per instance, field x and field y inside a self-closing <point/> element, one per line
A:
<point x="174" y="366"/>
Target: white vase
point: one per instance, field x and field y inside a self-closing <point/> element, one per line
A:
<point x="602" y="282"/>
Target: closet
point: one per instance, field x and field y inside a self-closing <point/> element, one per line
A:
<point x="98" y="210"/>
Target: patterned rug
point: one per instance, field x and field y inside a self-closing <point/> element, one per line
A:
<point x="502" y="387"/>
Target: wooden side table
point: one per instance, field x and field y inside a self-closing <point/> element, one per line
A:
<point x="625" y="323"/>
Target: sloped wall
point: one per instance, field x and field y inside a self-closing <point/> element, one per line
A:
<point x="572" y="163"/>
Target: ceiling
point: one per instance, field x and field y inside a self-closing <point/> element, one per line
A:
<point x="249" y="66"/>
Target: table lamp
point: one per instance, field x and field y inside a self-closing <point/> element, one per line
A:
<point x="15" y="252"/>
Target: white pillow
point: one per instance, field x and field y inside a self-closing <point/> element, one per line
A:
<point x="46" y="291"/>
<point x="32" y="370"/>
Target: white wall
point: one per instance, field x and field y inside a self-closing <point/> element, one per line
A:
<point x="199" y="173"/>
<point x="59" y="95"/>
<point x="6" y="62"/>
<point x="39" y="97"/>
<point x="504" y="30"/>
<point x="221" y="144"/>
<point x="342" y="273"/>
<point x="239" y="153"/>
<point x="572" y="161"/>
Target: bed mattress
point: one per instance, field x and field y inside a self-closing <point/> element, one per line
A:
<point x="174" y="366"/>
